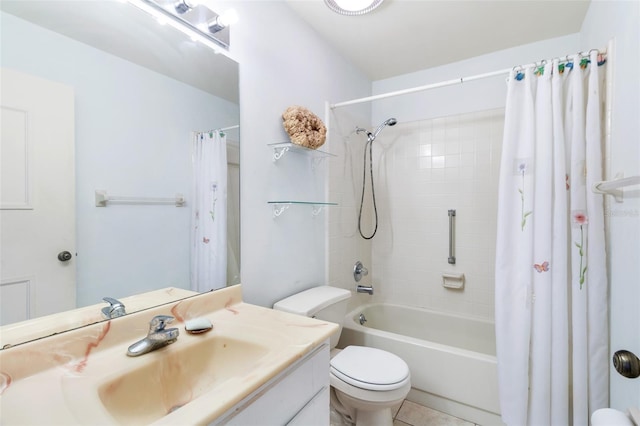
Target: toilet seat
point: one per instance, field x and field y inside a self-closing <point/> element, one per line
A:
<point x="370" y="368"/>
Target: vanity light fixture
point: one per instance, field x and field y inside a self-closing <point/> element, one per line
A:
<point x="192" y="19"/>
<point x="352" y="7"/>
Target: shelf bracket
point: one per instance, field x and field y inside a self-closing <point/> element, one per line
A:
<point x="278" y="209"/>
<point x="278" y="152"/>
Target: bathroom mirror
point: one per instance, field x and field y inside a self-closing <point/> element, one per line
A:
<point x="140" y="90"/>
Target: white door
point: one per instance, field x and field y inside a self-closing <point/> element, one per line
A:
<point x="37" y="197"/>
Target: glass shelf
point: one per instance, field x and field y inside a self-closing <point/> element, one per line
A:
<point x="281" y="148"/>
<point x="279" y="207"/>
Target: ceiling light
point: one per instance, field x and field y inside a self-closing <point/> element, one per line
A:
<point x="353" y="7"/>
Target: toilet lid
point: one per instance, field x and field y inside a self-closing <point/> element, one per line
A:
<point x="370" y="368"/>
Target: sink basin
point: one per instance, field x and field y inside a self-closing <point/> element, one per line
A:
<point x="174" y="378"/>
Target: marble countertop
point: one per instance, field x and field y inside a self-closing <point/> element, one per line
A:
<point x="47" y="325"/>
<point x="74" y="377"/>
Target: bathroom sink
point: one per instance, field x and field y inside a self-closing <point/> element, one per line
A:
<point x="174" y="378"/>
<point x="84" y="376"/>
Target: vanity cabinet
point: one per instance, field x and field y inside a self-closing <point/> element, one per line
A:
<point x="297" y="396"/>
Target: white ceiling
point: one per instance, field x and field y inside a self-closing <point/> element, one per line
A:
<point x="403" y="36"/>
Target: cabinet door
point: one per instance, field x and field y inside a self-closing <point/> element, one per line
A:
<point x="303" y="386"/>
<point x="315" y="412"/>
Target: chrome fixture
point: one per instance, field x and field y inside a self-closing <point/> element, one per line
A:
<point x="359" y="271"/>
<point x="362" y="319"/>
<point x="114" y="310"/>
<point x="452" y="234"/>
<point x="183" y="6"/>
<point x="193" y="19"/>
<point x="364" y="289"/>
<point x="158" y="337"/>
<point x="370" y="138"/>
<point x="352" y="7"/>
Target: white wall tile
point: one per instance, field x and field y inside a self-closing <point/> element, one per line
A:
<point x="410" y="252"/>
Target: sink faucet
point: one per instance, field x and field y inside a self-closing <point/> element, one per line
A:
<point x="114" y="310"/>
<point x="157" y="337"/>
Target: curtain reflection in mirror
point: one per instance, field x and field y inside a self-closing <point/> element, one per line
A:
<point x="209" y="212"/>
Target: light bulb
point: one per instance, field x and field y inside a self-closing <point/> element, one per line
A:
<point x="229" y="17"/>
<point x="353" y="5"/>
<point x="222" y="21"/>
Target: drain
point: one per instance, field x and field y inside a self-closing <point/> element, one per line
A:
<point x="362" y="319"/>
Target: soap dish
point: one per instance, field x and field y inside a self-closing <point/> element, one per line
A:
<point x="198" y="325"/>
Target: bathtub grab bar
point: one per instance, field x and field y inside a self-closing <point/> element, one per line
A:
<point x="452" y="257"/>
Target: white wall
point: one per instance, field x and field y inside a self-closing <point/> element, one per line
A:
<point x="621" y="20"/>
<point x="132" y="138"/>
<point x="282" y="63"/>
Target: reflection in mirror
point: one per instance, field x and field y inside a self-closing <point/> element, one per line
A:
<point x="102" y="98"/>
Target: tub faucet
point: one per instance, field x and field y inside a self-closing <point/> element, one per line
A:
<point x="359" y="271"/>
<point x="364" y="289"/>
<point x="114" y="310"/>
<point x="158" y="337"/>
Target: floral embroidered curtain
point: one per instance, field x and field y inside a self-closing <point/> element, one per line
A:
<point x="551" y="279"/>
<point x="209" y="212"/>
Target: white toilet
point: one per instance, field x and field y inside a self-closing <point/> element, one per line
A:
<point x="365" y="382"/>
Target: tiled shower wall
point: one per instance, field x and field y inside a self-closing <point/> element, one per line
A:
<point x="421" y="170"/>
<point x="344" y="245"/>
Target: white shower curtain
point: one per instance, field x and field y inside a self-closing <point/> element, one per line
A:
<point x="209" y="212"/>
<point x="551" y="280"/>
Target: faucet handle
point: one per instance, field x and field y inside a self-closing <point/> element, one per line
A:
<point x="359" y="271"/>
<point x="159" y="322"/>
<point x="115" y="309"/>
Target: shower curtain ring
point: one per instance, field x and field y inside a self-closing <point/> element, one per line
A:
<point x="517" y="72"/>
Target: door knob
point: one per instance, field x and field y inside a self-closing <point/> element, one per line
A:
<point x="627" y="364"/>
<point x="64" y="256"/>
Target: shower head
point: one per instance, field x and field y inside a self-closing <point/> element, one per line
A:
<point x="372" y="136"/>
<point x="389" y="122"/>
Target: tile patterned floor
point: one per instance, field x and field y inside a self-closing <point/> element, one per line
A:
<point x="412" y="414"/>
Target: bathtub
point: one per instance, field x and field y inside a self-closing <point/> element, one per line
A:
<point x="452" y="358"/>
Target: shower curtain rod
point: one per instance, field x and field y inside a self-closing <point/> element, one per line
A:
<point x="223" y="129"/>
<point x="237" y="126"/>
<point x="451" y="82"/>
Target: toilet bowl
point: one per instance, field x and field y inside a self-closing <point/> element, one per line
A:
<point x="365" y="382"/>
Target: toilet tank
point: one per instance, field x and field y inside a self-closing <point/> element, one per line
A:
<point x="324" y="303"/>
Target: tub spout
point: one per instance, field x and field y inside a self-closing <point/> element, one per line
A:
<point x="364" y="289"/>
